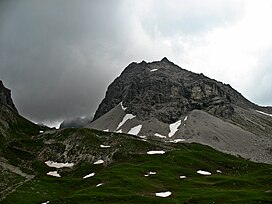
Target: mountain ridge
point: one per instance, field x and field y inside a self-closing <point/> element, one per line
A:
<point x="150" y="99"/>
<point x="187" y="87"/>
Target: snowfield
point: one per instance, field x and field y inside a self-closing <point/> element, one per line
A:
<point x="151" y="173"/>
<point x="53" y="173"/>
<point x="135" y="130"/>
<point x="156" y="152"/>
<point x="159" y="135"/>
<point x="177" y="140"/>
<point x="100" y="184"/>
<point x="163" y="194"/>
<point x="174" y="128"/>
<point x="89" y="175"/>
<point x="104" y="146"/>
<point x="124" y="108"/>
<point x="100" y="161"/>
<point x="264" y="113"/>
<point x="205" y="173"/>
<point x="59" y="165"/>
<point x="126" y="117"/>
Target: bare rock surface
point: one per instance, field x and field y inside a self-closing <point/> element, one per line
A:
<point x="171" y="103"/>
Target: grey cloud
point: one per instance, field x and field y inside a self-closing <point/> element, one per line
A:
<point x="51" y="53"/>
<point x="58" y="56"/>
<point x="190" y="17"/>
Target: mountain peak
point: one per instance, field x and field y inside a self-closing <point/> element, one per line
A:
<point x="164" y="59"/>
<point x="165" y="91"/>
<point x="161" y="100"/>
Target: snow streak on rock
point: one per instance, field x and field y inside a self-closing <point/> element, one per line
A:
<point x="126" y="117"/>
<point x="174" y="128"/>
<point x="264" y="113"/>
<point x="135" y="130"/>
<point x="156" y="152"/>
<point x="100" y="161"/>
<point x="59" y="165"/>
<point x="53" y="173"/>
<point x="159" y="135"/>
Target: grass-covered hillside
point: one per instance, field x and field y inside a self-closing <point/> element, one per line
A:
<point x="127" y="174"/>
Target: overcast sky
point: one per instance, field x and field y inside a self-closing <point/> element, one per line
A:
<point x="59" y="56"/>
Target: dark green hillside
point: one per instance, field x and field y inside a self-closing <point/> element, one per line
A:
<point x="122" y="174"/>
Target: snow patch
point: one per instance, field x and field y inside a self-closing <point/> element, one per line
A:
<point x="53" y="173"/>
<point x="177" y="140"/>
<point x="107" y="130"/>
<point x="89" y="175"/>
<point x="124" y="108"/>
<point x="45" y="202"/>
<point x="156" y="152"/>
<point x="100" y="161"/>
<point x="182" y="177"/>
<point x="41" y="131"/>
<point x="218" y="171"/>
<point x="153" y="70"/>
<point x="135" y="130"/>
<point x="151" y="173"/>
<point x="119" y="131"/>
<point x="206" y="173"/>
<point x="185" y="118"/>
<point x="159" y="135"/>
<point x="100" y="184"/>
<point x="163" y="194"/>
<point x="264" y="113"/>
<point x="104" y="146"/>
<point x="143" y="137"/>
<point x="174" y="128"/>
<point x="126" y="117"/>
<point x="58" y="165"/>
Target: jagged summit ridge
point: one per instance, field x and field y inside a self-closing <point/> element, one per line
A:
<point x="160" y="100"/>
<point x="165" y="91"/>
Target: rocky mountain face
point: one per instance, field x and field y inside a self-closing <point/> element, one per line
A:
<point x="8" y="112"/>
<point x="5" y="97"/>
<point x="161" y="100"/>
<point x="166" y="92"/>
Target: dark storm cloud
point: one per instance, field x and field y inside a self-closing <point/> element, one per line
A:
<point x="51" y="55"/>
<point x="58" y="56"/>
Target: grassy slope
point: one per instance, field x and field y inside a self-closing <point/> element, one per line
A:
<point x="123" y="180"/>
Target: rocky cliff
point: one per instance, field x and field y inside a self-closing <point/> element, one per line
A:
<point x="165" y="91"/>
<point x="5" y="97"/>
<point x="163" y="101"/>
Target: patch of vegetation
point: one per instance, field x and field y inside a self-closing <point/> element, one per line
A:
<point x="241" y="181"/>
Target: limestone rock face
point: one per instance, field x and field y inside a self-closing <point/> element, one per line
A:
<point x="5" y="97"/>
<point x="164" y="91"/>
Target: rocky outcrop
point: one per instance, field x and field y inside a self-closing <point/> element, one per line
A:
<point x="5" y="97"/>
<point x="166" y="92"/>
<point x="160" y="100"/>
